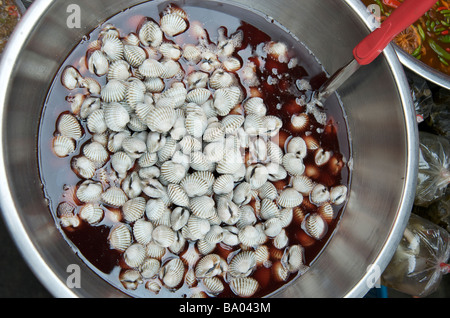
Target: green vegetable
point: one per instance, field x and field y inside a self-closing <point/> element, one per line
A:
<point x="421" y="32"/>
<point x="417" y="51"/>
<point x="439" y="50"/>
<point x="444" y="38"/>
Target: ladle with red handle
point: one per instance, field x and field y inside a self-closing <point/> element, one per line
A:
<point x="373" y="44"/>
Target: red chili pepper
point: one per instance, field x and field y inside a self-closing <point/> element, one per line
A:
<point x="12" y="11"/>
<point x="447" y="49"/>
<point x="445" y="32"/>
<point x="441" y="8"/>
<point x="392" y="3"/>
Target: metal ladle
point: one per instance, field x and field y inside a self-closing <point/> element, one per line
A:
<point x="373" y="44"/>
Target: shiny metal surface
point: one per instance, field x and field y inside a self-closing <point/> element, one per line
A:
<point x="422" y="69"/>
<point x="376" y="99"/>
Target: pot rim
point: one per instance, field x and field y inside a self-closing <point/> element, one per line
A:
<point x="44" y="272"/>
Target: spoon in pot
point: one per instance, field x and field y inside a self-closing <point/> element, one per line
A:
<point x="373" y="44"/>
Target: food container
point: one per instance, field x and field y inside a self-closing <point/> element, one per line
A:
<point x="376" y="99"/>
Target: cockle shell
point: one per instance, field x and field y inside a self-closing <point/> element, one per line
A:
<point x="116" y="117"/>
<point x="91" y="213"/>
<point x="232" y="122"/>
<point x="71" y="78"/>
<point x="113" y="91"/>
<point x="227" y="211"/>
<point x="247" y="216"/>
<point x="224" y="184"/>
<point x="194" y="185"/>
<point x="150" y="34"/>
<point x="272" y="227"/>
<point x="154" y="209"/>
<point x="242" y="264"/>
<point x="281" y="240"/>
<point x="321" y="157"/>
<point x="300" y="122"/>
<point x="173" y="24"/>
<point x="112" y="46"/>
<point x="89" y="191"/>
<point x="114" y="196"/>
<point x="213" y="285"/>
<point x="289" y="198"/>
<point x="179" y="218"/>
<point x="338" y="194"/>
<point x="210" y="265"/>
<point x="96" y="122"/>
<point x="326" y="212"/>
<point x="119" y="70"/>
<point x="134" y="55"/>
<point x="232" y="64"/>
<point x="315" y="226"/>
<point x="63" y="146"/>
<point x="151" y="68"/>
<point x="154" y="250"/>
<point x="293" y="258"/>
<point x="177" y="195"/>
<point x="150" y="268"/>
<point x="221" y="79"/>
<point x="244" y="286"/>
<point x="303" y="184"/>
<point x="134" y="255"/>
<point x="268" y="209"/>
<point x="96" y="152"/>
<point x="297" y="146"/>
<point x="154" y="84"/>
<point x="242" y="193"/>
<point x="120" y="237"/>
<point x="202" y="206"/>
<point x="197" y="227"/>
<point x="198" y="96"/>
<point x="163" y="236"/>
<point x="173" y="172"/>
<point x="256" y="175"/>
<point x="69" y="126"/>
<point x="83" y="167"/>
<point x="250" y="236"/>
<point x="98" y="63"/>
<point x="130" y="279"/>
<point x="142" y="231"/>
<point x="134" y="209"/>
<point x="197" y="79"/>
<point x="161" y="119"/>
<point x="267" y="191"/>
<point x="172" y="273"/>
<point x="255" y="105"/>
<point x="121" y="162"/>
<point x="319" y="194"/>
<point x="293" y="164"/>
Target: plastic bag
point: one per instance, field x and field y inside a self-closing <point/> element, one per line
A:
<point x="439" y="212"/>
<point x="420" y="260"/>
<point x="434" y="168"/>
<point x="421" y="95"/>
<point x="439" y="117"/>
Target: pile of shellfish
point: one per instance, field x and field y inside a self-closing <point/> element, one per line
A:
<point x="188" y="160"/>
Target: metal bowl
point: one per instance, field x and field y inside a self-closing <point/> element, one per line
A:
<point x="381" y="119"/>
<point x="422" y="69"/>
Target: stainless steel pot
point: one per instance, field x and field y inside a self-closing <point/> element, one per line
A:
<point x="381" y="123"/>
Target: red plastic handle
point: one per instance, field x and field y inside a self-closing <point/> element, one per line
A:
<point x="402" y="17"/>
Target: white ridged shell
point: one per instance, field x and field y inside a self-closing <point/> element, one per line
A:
<point x="120" y="237"/>
<point x="142" y="231"/>
<point x="163" y="236"/>
<point x="172" y="273"/>
<point x="244" y="286"/>
<point x="134" y="209"/>
<point x="134" y="255"/>
<point x="172" y="24"/>
<point x="69" y="126"/>
<point x="114" y="196"/>
<point x="203" y="206"/>
<point x="242" y="264"/>
<point x="63" y="146"/>
<point x="289" y="198"/>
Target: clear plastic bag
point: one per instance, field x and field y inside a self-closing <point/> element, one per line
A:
<point x="439" y="212"/>
<point x="439" y="117"/>
<point x="420" y="260"/>
<point x="434" y="168"/>
<point x="421" y="95"/>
